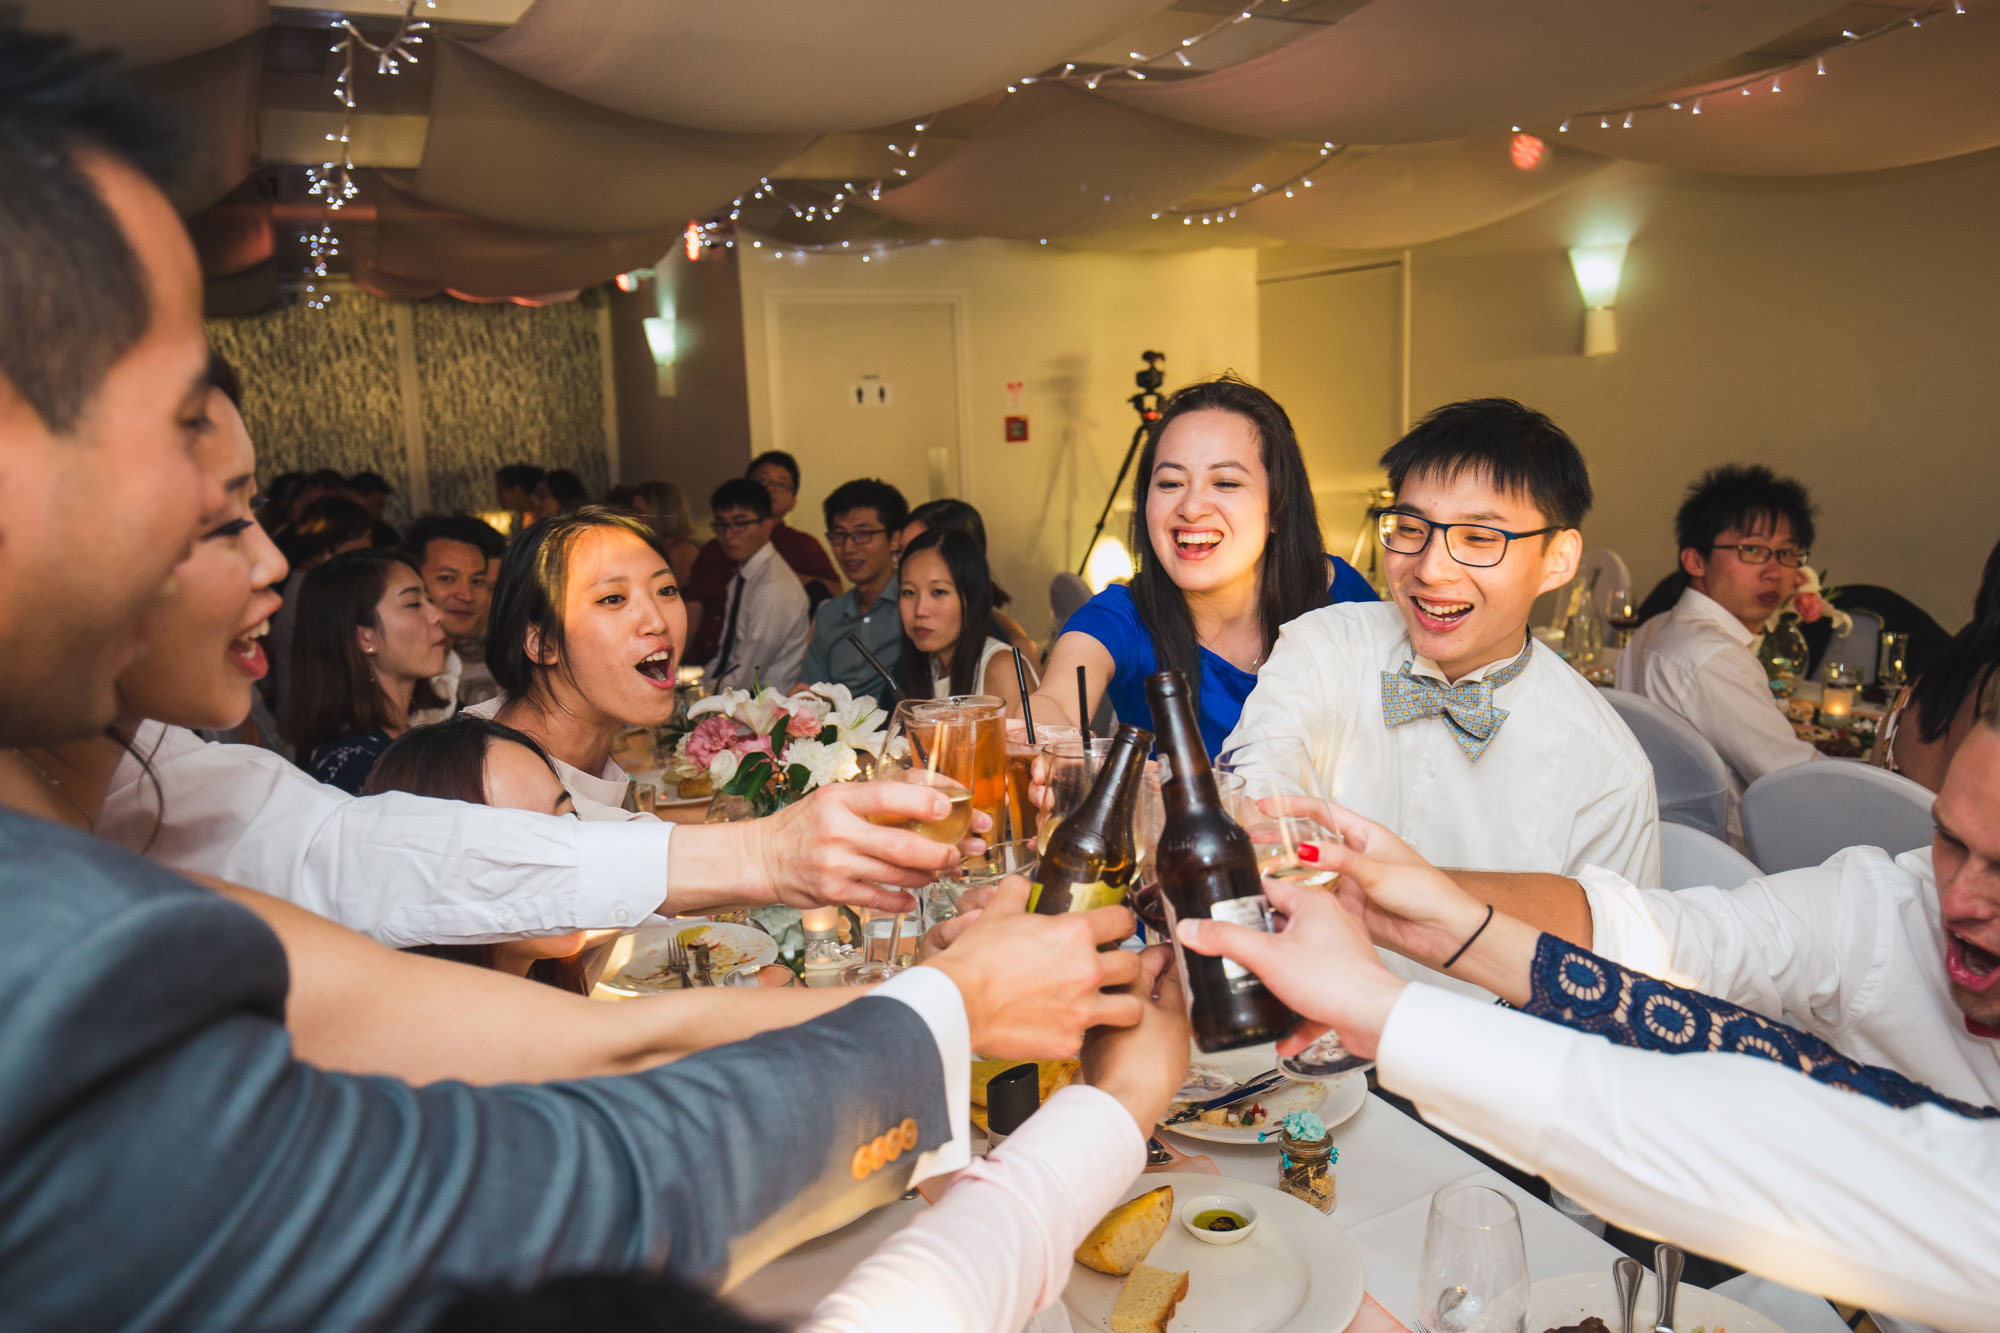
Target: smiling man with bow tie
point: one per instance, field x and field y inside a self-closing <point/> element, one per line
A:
<point x="1436" y="714"/>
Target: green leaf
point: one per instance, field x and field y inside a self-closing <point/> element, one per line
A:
<point x="778" y="736"/>
<point x="751" y="777"/>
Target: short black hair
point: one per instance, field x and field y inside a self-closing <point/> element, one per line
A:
<point x="891" y="509"/>
<point x="462" y="528"/>
<point x="1517" y="449"/>
<point x="741" y="493"/>
<point x="75" y="296"/>
<point x="369" y="483"/>
<point x="565" y="488"/>
<point x="324" y="524"/>
<point x="1748" y="499"/>
<point x="326" y="478"/>
<point x="777" y="458"/>
<point x="524" y="475"/>
<point x="957" y="515"/>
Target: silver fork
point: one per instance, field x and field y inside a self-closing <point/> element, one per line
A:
<point x="677" y="963"/>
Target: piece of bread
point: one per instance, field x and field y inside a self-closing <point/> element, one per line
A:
<point x="1147" y="1300"/>
<point x="698" y="785"/>
<point x="1128" y="1232"/>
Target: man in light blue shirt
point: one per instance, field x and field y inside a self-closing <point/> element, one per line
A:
<point x="862" y="520"/>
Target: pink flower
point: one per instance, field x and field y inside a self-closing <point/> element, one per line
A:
<point x="749" y="745"/>
<point x="805" y="725"/>
<point x="1809" y="606"/>
<point x="711" y="736"/>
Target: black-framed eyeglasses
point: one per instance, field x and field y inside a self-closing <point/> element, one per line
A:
<point x="735" y="525"/>
<point x="857" y="537"/>
<point x="1791" y="557"/>
<point x="1472" y="544"/>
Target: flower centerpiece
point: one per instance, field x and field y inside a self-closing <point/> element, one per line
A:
<point x="1784" y="652"/>
<point x="768" y="749"/>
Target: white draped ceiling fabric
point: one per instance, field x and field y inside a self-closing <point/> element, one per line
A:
<point x="584" y="137"/>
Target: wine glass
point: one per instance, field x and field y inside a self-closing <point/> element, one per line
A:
<point x="1474" y="1273"/>
<point x="1621" y="613"/>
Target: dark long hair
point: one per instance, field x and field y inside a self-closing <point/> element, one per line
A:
<point x="962" y="517"/>
<point x="448" y="762"/>
<point x="1293" y="576"/>
<point x="528" y="595"/>
<point x="967" y="565"/>
<point x="1968" y="661"/>
<point x="332" y="692"/>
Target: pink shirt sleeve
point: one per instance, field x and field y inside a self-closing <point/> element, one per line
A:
<point x="999" y="1244"/>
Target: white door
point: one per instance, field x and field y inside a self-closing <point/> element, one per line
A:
<point x="866" y="389"/>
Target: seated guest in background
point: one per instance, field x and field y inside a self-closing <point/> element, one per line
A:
<point x="764" y="611"/>
<point x="959" y="515"/>
<point x="666" y="511"/>
<point x="1743" y="534"/>
<point x="1439" y="715"/>
<point x="458" y="555"/>
<point x="558" y="492"/>
<point x="372" y="492"/>
<point x="862" y="519"/>
<point x="514" y="487"/>
<point x="1227" y="541"/>
<point x="367" y="644"/>
<point x="1851" y="1180"/>
<point x="778" y="474"/>
<point x="276" y="509"/>
<point x="1930" y="720"/>
<point x="948" y="642"/>
<point x="329" y="526"/>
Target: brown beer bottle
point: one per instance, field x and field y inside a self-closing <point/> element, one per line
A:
<point x="1208" y="868"/>
<point x="1091" y="856"/>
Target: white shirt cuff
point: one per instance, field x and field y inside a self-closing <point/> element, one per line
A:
<point x="622" y="871"/>
<point x="1622" y="925"/>
<point x="1486" y="1074"/>
<point x="937" y="1001"/>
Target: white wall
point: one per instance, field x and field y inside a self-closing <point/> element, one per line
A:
<point x="1070" y="327"/>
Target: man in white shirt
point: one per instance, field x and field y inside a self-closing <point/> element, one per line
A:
<point x="1439" y="716"/>
<point x="1743" y="534"/>
<point x="766" y="614"/>
<point x="457" y="556"/>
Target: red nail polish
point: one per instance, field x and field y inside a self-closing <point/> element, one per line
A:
<point x="1308" y="852"/>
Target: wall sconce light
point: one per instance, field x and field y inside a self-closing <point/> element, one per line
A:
<point x="1598" y="268"/>
<point x="660" y="341"/>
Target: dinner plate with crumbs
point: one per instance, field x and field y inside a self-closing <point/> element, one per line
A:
<point x="638" y="962"/>
<point x="1334" y="1100"/>
<point x="1562" y="1302"/>
<point x="1296" y="1273"/>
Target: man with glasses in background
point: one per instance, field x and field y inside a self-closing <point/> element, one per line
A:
<point x="764" y="613"/>
<point x="1436" y="714"/>
<point x="1743" y="534"/>
<point x="862" y="520"/>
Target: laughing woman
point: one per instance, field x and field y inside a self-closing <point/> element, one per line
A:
<point x="1228" y="547"/>
<point x="585" y="635"/>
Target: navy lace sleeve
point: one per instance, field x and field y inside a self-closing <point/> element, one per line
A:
<point x="1574" y="987"/>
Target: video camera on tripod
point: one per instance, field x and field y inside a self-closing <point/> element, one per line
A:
<point x="1148" y="403"/>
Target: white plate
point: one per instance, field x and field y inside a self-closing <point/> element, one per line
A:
<point x="1335" y="1100"/>
<point x="1297" y="1271"/>
<point x="638" y="962"/>
<point x="1555" y="1302"/>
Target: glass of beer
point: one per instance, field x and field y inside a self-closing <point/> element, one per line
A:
<point x="1021" y="810"/>
<point x="957" y="819"/>
<point x="962" y="738"/>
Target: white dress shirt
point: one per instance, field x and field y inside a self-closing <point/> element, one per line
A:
<point x="771" y="627"/>
<point x="1750" y="1163"/>
<point x="1697" y="662"/>
<point x="998" y="1247"/>
<point x="1852" y="951"/>
<point x="598" y="797"/>
<point x="404" y="869"/>
<point x="1562" y="785"/>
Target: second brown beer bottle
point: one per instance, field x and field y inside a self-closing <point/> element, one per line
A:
<point x="1090" y="857"/>
<point x="1208" y="868"/>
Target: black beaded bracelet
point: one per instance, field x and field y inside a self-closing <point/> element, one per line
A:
<point x="1469" y="939"/>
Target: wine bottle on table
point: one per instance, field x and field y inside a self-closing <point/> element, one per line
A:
<point x="1208" y="868"/>
<point x="1091" y="855"/>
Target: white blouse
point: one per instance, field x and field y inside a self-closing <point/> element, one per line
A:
<point x="941" y="679"/>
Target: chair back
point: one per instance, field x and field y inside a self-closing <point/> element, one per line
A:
<point x="1067" y="594"/>
<point x="1689" y="776"/>
<point x="1801" y="815"/>
<point x="1858" y="648"/>
<point x="1691" y="859"/>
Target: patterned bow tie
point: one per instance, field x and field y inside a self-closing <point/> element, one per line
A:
<point x="1467" y="708"/>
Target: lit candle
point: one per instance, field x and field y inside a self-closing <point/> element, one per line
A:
<point x="1836" y="702"/>
<point x="819" y="920"/>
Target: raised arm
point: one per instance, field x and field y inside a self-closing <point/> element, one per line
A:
<point x="1055" y="699"/>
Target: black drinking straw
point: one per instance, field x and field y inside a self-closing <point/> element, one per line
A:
<point x="1083" y="705"/>
<point x="1027" y="709"/>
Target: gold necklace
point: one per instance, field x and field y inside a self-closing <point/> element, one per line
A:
<point x="55" y="785"/>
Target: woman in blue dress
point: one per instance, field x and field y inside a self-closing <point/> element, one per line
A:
<point x="1226" y="539"/>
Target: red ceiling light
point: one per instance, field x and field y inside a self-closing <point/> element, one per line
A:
<point x="628" y="282"/>
<point x="693" y="240"/>
<point x="1527" y="151"/>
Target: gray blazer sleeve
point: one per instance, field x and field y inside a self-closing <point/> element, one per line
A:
<point x="166" y="1162"/>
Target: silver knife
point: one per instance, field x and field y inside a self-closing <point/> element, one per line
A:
<point x="1667" y="1268"/>
<point x="1249" y="1087"/>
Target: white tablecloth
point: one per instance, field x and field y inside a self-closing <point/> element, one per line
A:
<point x="1390" y="1165"/>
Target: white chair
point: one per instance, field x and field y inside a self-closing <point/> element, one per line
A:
<point x="1689" y="777"/>
<point x="1858" y="648"/>
<point x="1691" y="859"/>
<point x="1067" y="594"/>
<point x="1801" y="815"/>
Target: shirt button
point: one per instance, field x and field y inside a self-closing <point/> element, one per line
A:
<point x="622" y="914"/>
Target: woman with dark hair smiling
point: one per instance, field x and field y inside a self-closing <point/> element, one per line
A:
<point x="366" y="645"/>
<point x="1227" y="542"/>
<point x="949" y="646"/>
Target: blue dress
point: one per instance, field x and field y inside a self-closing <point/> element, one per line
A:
<point x="1113" y="620"/>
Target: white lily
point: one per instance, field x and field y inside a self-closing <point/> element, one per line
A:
<point x="824" y="763"/>
<point x="725" y="703"/>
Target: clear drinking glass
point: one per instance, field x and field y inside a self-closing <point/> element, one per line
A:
<point x="888" y="945"/>
<point x="1474" y="1274"/>
<point x="1069" y="767"/>
<point x="997" y="862"/>
<point x="1022" y="754"/>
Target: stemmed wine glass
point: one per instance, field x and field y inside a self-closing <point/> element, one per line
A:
<point x="1474" y="1274"/>
<point x="1621" y="613"/>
